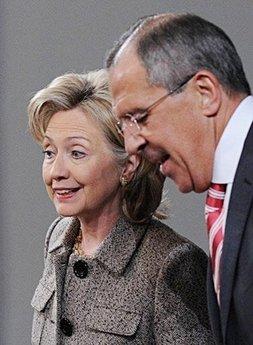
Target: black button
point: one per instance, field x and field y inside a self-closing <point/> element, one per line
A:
<point x="66" y="327"/>
<point x="80" y="269"/>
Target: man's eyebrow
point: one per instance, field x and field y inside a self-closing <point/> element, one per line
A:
<point x="120" y="112"/>
<point x="135" y="110"/>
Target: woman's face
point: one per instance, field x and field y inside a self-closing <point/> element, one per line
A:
<point x="79" y="170"/>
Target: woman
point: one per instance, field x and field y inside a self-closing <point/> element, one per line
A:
<point x="113" y="274"/>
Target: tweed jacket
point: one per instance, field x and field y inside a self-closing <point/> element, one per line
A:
<point x="147" y="287"/>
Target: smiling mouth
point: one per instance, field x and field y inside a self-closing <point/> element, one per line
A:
<point x="65" y="191"/>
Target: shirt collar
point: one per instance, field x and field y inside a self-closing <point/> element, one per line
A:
<point x="231" y="143"/>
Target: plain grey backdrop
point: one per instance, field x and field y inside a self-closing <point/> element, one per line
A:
<point x="40" y="40"/>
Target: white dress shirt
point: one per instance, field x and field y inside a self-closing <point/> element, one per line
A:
<point x="230" y="146"/>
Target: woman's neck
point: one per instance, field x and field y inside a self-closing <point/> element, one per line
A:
<point x="95" y="230"/>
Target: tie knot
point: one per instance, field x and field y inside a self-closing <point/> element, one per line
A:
<point x="216" y="195"/>
<point x="218" y="187"/>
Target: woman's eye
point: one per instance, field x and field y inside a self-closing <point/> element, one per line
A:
<point x="48" y="154"/>
<point x="78" y="154"/>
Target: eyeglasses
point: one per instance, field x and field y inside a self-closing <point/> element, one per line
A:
<point x="132" y="122"/>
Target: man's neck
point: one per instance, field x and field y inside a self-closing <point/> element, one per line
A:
<point x="228" y="106"/>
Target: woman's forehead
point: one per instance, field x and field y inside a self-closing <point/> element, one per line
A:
<point x="74" y="124"/>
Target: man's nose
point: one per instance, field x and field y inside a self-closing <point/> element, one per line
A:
<point x="59" y="168"/>
<point x="134" y="143"/>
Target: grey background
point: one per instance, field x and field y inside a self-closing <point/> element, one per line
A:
<point x="40" y="40"/>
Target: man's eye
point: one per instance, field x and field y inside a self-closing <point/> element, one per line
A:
<point x="48" y="154"/>
<point x="141" y="117"/>
<point x="78" y="154"/>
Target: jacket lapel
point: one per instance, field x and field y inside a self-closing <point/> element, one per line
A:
<point x="240" y="201"/>
<point x="59" y="249"/>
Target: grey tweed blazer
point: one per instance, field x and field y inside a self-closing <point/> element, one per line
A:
<point x="151" y="290"/>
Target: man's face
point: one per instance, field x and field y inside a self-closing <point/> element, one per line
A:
<point x="174" y="134"/>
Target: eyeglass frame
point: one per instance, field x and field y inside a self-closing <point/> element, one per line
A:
<point x="145" y="112"/>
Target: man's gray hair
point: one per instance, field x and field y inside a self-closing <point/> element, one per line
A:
<point x="172" y="47"/>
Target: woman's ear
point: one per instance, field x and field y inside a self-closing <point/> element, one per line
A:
<point x="131" y="165"/>
<point x="210" y="92"/>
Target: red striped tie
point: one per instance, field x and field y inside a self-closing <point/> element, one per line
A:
<point x="214" y="215"/>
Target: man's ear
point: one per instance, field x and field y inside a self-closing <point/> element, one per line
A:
<point x="131" y="165"/>
<point x="210" y="92"/>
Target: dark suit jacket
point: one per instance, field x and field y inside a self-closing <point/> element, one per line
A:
<point x="233" y="324"/>
<point x="152" y="291"/>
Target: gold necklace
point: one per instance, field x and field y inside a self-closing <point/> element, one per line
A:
<point x="78" y="250"/>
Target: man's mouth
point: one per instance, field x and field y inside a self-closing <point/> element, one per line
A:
<point x="155" y="156"/>
<point x="163" y="164"/>
<point x="164" y="158"/>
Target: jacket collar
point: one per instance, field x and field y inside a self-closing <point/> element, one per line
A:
<point x="118" y="248"/>
<point x="115" y="251"/>
<point x="64" y="235"/>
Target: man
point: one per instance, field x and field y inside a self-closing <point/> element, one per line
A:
<point x="182" y="99"/>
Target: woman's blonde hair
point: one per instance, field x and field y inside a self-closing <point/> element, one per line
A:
<point x="142" y="195"/>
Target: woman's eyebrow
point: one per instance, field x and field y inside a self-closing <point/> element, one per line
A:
<point x="68" y="138"/>
<point x="48" y="138"/>
<point x="77" y="137"/>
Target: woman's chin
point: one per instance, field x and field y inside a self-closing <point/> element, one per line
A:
<point x="64" y="212"/>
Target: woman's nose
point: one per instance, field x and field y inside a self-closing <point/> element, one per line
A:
<point x="59" y="169"/>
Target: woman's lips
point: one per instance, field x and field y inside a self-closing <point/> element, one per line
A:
<point x="65" y="193"/>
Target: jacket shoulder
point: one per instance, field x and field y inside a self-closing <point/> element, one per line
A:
<point x="166" y="241"/>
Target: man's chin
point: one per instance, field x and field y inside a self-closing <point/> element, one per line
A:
<point x="185" y="189"/>
<point x="201" y="189"/>
<point x="193" y="187"/>
<point x="184" y="185"/>
<point x="196" y="188"/>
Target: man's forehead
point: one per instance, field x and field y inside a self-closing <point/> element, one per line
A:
<point x="128" y="71"/>
<point x="125" y="57"/>
<point x="127" y="48"/>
